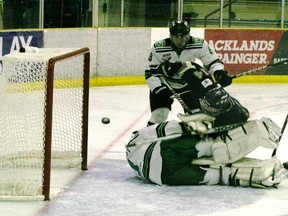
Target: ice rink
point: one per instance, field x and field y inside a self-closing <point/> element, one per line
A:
<point x="110" y="187"/>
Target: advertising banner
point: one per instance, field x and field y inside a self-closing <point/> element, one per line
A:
<point x="12" y="41"/>
<point x="243" y="50"/>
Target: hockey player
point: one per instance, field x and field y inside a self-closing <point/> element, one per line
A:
<point x="200" y="94"/>
<point x="192" y="82"/>
<point x="191" y="160"/>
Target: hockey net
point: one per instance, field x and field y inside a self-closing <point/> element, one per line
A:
<point x="44" y="118"/>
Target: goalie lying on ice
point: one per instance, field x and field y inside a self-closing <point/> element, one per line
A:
<point x="191" y="160"/>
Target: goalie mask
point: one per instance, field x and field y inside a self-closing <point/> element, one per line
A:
<point x="216" y="101"/>
<point x="179" y="34"/>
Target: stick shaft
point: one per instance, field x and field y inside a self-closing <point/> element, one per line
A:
<point x="282" y="131"/>
<point x="255" y="70"/>
<point x="176" y="95"/>
<point x="210" y="131"/>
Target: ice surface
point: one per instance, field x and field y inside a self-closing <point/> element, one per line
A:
<point x="110" y="187"/>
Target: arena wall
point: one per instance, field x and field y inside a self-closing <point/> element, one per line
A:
<point x="119" y="55"/>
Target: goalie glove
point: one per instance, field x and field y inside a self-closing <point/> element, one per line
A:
<point x="198" y="122"/>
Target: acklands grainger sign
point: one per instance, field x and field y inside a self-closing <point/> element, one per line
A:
<point x="242" y="50"/>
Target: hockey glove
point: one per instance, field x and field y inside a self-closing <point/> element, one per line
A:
<point x="223" y="77"/>
<point x="198" y="122"/>
<point x="167" y="69"/>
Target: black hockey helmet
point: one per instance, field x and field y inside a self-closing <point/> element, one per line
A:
<point x="179" y="28"/>
<point x="216" y="102"/>
<point x="179" y="33"/>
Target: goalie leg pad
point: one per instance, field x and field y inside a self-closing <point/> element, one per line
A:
<point x="239" y="142"/>
<point x="215" y="176"/>
<point x="273" y="129"/>
<point x="234" y="150"/>
<point x="250" y="172"/>
<point x="242" y="141"/>
<point x="253" y="127"/>
<point x="220" y="152"/>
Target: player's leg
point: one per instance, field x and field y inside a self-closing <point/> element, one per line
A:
<point x="183" y="175"/>
<point x="176" y="155"/>
<point x="160" y="107"/>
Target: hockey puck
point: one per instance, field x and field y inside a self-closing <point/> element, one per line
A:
<point x="285" y="165"/>
<point x="105" y="120"/>
<point x="22" y="50"/>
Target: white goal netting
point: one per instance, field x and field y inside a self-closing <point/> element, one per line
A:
<point x="29" y="107"/>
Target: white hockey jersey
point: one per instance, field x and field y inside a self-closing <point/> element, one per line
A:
<point x="144" y="156"/>
<point x="196" y="48"/>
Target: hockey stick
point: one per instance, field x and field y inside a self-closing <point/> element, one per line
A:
<point x="282" y="131"/>
<point x="175" y="95"/>
<point x="210" y="131"/>
<point x="181" y="93"/>
<point x="255" y="70"/>
<point x="284" y="172"/>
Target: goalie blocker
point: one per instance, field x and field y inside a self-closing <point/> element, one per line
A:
<point x="220" y="160"/>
